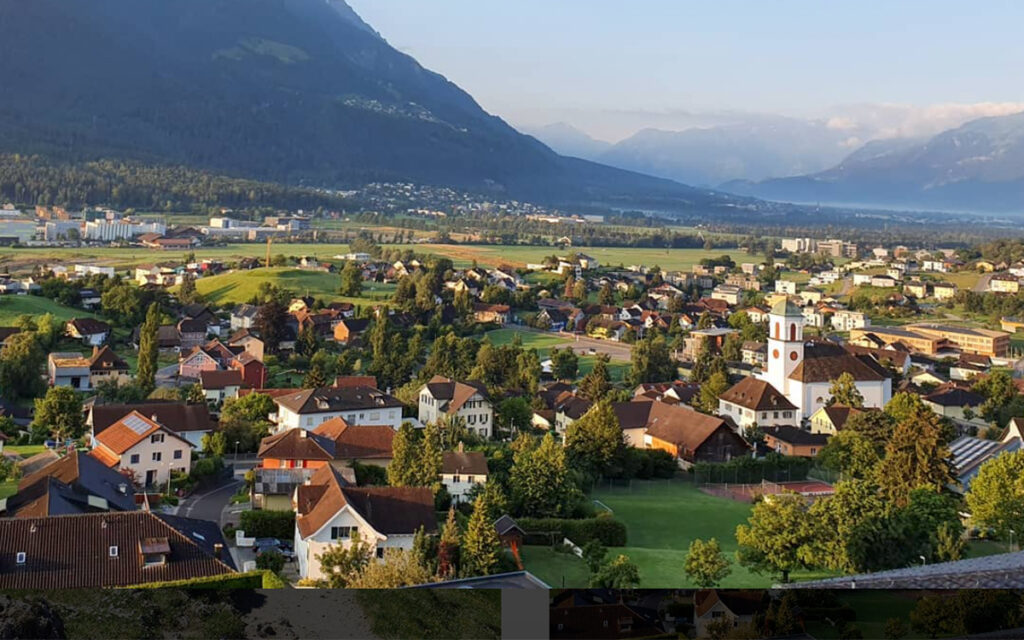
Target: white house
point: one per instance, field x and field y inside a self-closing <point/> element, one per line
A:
<point x="219" y="386"/>
<point x="751" y="401"/>
<point x="329" y="512"/>
<point x="149" y="449"/>
<point x="461" y="471"/>
<point x="467" y="400"/>
<point x="803" y="372"/>
<point x="844" y="320"/>
<point x="356" y="405"/>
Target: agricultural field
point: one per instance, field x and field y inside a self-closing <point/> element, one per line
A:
<point x="13" y="306"/>
<point x="520" y="256"/>
<point x="240" y="286"/>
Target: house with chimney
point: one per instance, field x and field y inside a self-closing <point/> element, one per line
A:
<point x="330" y="512"/>
<point x="150" y="450"/>
<point x="289" y="458"/>
<point x="444" y="397"/>
<point x="109" y="550"/>
<point x="357" y="405"/>
<point x="71" y="485"/>
<point x="462" y="470"/>
<point x="190" y="421"/>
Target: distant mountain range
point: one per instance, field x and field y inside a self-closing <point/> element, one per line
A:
<point x="976" y="167"/>
<point x="756" y="148"/>
<point x="296" y="91"/>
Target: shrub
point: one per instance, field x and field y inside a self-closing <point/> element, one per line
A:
<point x="271" y="561"/>
<point x="206" y="468"/>
<point x="605" y="529"/>
<point x="268" y="524"/>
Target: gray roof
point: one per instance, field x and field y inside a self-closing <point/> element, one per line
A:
<point x="513" y="580"/>
<point x="1001" y="571"/>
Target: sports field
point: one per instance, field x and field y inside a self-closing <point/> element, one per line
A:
<point x="662" y="517"/>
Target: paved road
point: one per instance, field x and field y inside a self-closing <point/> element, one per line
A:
<point x="981" y="286"/>
<point x="581" y="344"/>
<point x="210" y="504"/>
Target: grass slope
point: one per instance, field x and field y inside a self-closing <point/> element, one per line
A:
<point x="240" y="286"/>
<point x="11" y="307"/>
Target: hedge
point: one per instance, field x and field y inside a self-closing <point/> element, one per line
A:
<point x="268" y="524"/>
<point x="251" y="580"/>
<point x="607" y="530"/>
<point x="773" y="467"/>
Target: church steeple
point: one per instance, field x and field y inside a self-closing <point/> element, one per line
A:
<point x="785" y="343"/>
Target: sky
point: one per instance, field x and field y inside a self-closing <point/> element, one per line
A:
<point x="612" y="67"/>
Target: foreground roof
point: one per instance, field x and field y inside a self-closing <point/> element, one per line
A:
<point x="175" y="416"/>
<point x="757" y="395"/>
<point x="329" y="399"/>
<point x="68" y="552"/>
<point x="1001" y="571"/>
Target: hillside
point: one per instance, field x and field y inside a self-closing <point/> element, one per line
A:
<point x="976" y="167"/>
<point x="295" y="91"/>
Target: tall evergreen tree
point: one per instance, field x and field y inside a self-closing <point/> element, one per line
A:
<point x="448" y="547"/>
<point x="596" y="384"/>
<point x="403" y="469"/>
<point x="481" y="546"/>
<point x="595" y="440"/>
<point x="145" y="377"/>
<point x="917" y="456"/>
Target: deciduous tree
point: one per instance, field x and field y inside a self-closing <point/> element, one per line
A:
<point x="706" y="565"/>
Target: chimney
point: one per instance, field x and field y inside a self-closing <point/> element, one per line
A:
<point x="461" y="446"/>
<point x="303" y="433"/>
<point x="153" y="418"/>
<point x="218" y="550"/>
<point x="123" y="488"/>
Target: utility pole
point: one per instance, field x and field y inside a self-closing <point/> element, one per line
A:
<point x="269" y="241"/>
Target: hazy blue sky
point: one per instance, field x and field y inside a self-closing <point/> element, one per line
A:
<point x="602" y="65"/>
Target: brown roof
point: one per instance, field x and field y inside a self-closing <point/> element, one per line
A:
<point x="682" y="427"/>
<point x="89" y="326"/>
<point x="740" y="603"/>
<point x="330" y="399"/>
<point x="104" y="359"/>
<point x="105" y="456"/>
<point x="757" y="395"/>
<point x="796" y="436"/>
<point x="823" y="364"/>
<point x="127" y="432"/>
<point x="456" y="392"/>
<point x="464" y="462"/>
<point x="177" y="417"/>
<point x="217" y="379"/>
<point x="359" y="443"/>
<point x="296" y="444"/>
<point x="355" y="381"/>
<point x="74" y="551"/>
<point x="389" y="510"/>
<point x="838" y="414"/>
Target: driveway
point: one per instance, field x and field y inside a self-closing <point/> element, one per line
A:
<point x="981" y="286"/>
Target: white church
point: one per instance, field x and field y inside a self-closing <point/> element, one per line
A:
<point x="803" y="371"/>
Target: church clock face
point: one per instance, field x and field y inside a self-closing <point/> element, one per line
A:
<point x="793" y="356"/>
<point x="775" y="354"/>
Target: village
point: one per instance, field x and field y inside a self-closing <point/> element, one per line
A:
<point x="502" y="425"/>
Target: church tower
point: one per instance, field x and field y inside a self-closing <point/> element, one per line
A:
<point x="785" y="344"/>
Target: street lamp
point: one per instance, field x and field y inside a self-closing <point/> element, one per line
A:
<point x="1011" y="539"/>
<point x="236" y="450"/>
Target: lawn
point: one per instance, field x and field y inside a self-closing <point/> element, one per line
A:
<point x="11" y="307"/>
<point x="26" y="450"/>
<point x="873" y="609"/>
<point x="240" y="286"/>
<point x="520" y="256"/>
<point x="542" y="342"/>
<point x="662" y="518"/>
<point x="8" y="488"/>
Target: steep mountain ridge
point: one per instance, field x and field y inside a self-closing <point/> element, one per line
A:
<point x="298" y="91"/>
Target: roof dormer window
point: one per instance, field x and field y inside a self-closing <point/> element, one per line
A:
<point x="20" y="557"/>
<point x="112" y="552"/>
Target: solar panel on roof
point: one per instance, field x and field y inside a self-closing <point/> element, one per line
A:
<point x="136" y="424"/>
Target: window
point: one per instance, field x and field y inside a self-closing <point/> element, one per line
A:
<point x="177" y="454"/>
<point x="341" y="533"/>
<point x="456" y="479"/>
<point x="20" y="557"/>
<point x="135" y="458"/>
<point x="380" y="552"/>
<point x="483" y="419"/>
<point x="113" y="551"/>
<point x="156" y="456"/>
<point x="375" y="415"/>
<point x="156" y="437"/>
<point x="309" y="422"/>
